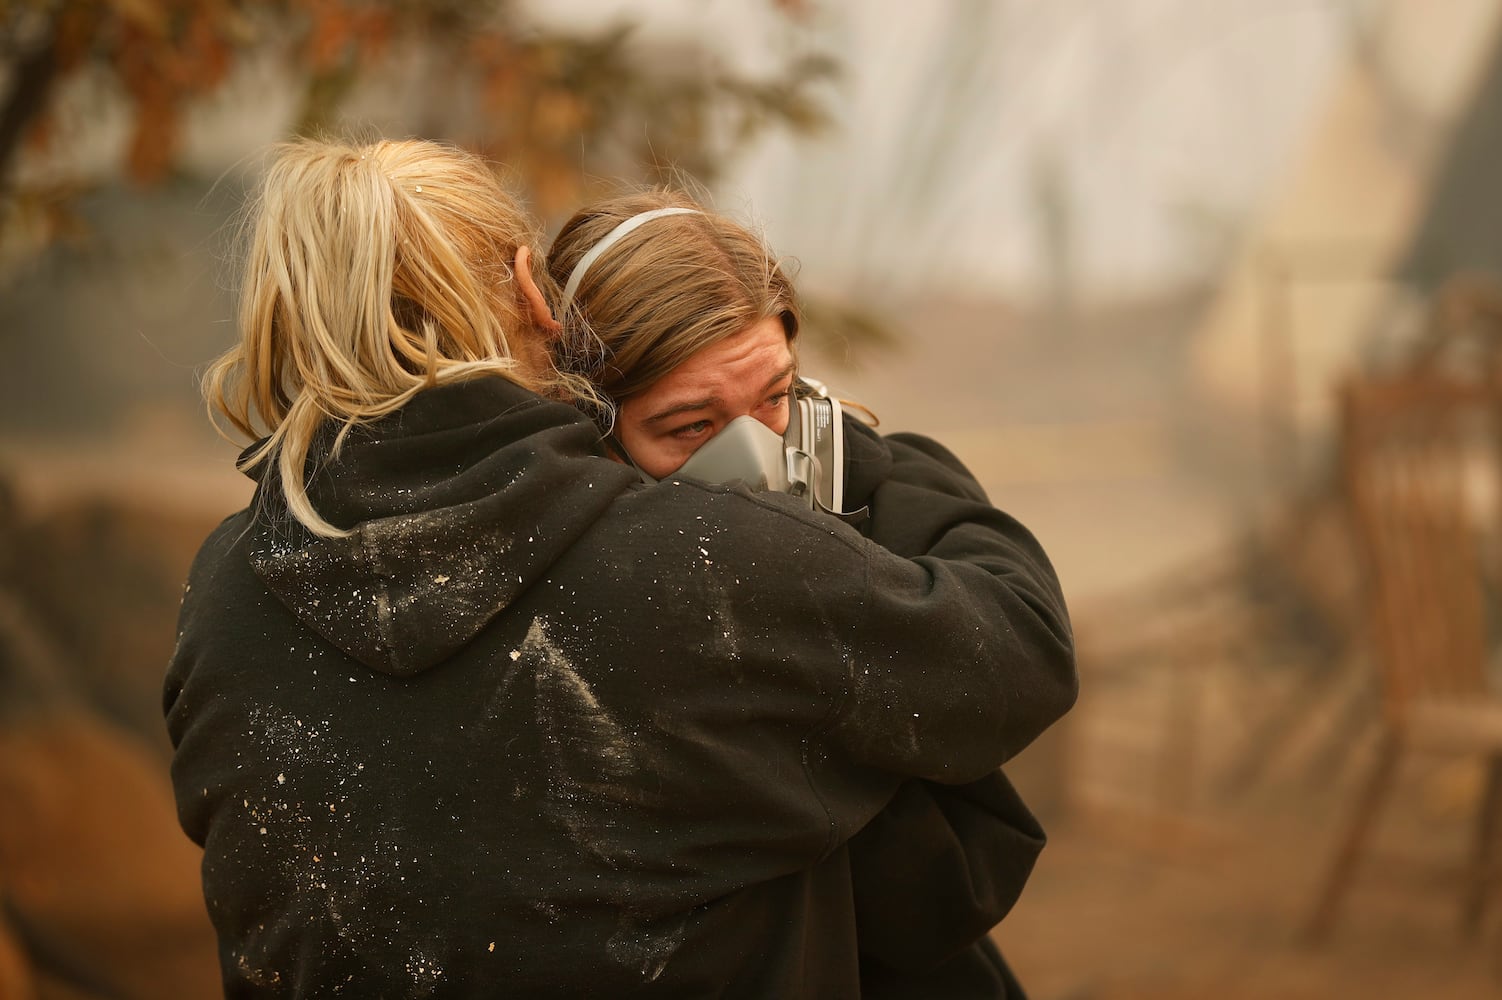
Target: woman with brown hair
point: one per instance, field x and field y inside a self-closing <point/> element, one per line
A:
<point x="461" y="708"/>
<point x="685" y="322"/>
<point x="666" y="306"/>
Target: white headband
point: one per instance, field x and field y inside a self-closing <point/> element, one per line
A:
<point x="611" y="238"/>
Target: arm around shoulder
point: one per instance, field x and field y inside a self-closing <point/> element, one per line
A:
<point x="982" y="566"/>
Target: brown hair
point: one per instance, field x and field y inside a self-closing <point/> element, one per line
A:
<point x="664" y="292"/>
<point x="372" y="272"/>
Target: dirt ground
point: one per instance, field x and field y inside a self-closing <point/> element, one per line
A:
<point x="1134" y="898"/>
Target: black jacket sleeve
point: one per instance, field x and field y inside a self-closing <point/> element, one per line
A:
<point x="941" y="864"/>
<point x="931" y="874"/>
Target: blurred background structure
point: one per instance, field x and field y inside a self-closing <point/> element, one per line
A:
<point x="1125" y="257"/>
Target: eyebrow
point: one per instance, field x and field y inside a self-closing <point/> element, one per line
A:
<point x="700" y="404"/>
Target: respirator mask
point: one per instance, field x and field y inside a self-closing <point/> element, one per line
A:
<point x="807" y="460"/>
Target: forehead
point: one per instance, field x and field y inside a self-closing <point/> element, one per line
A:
<point x="746" y="360"/>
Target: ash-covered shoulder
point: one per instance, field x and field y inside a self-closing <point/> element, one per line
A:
<point x="221" y="542"/>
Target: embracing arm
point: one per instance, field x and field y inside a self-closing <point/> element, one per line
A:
<point x="1003" y="675"/>
<point x="940" y="864"/>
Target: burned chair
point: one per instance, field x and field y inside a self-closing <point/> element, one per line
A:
<point x="1422" y="457"/>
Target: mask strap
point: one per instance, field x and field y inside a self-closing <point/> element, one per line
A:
<point x="610" y="240"/>
<point x="613" y="442"/>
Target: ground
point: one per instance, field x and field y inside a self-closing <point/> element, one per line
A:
<point x="1139" y="898"/>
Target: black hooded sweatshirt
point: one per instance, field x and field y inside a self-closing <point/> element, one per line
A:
<point x="535" y="729"/>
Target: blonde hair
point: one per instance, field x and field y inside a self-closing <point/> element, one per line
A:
<point x="664" y="292"/>
<point x="373" y="271"/>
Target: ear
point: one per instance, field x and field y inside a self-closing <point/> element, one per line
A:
<point x="537" y="306"/>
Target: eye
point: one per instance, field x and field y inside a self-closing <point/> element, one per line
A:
<point x="690" y="431"/>
<point x="778" y="398"/>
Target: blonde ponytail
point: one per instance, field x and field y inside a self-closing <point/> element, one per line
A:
<point x="372" y="272"/>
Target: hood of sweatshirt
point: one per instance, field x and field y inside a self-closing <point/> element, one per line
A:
<point x="456" y="505"/>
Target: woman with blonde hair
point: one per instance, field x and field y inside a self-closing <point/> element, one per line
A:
<point x="461" y="708"/>
<point x="685" y="322"/>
